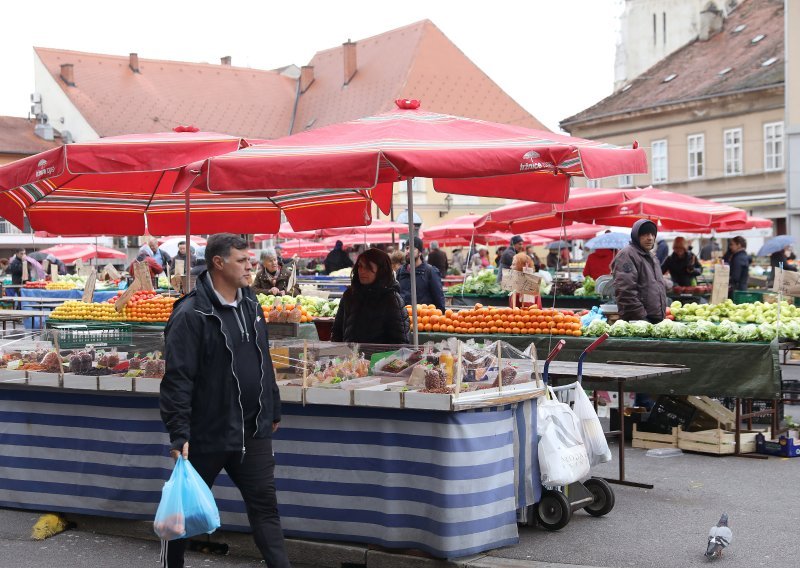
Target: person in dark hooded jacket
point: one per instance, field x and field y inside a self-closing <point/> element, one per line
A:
<point x="371" y="309"/>
<point x="337" y="259"/>
<point x="429" y="281"/>
<point x="219" y="392"/>
<point x="638" y="282"/>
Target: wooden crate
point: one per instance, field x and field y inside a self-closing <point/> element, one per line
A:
<point x="650" y="440"/>
<point x="714" y="409"/>
<point x="718" y="441"/>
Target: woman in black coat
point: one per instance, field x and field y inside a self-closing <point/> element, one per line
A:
<point x="371" y="309"/>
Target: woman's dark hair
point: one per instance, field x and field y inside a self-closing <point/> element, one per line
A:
<point x="741" y="241"/>
<point x="384" y="277"/>
<point x="221" y="245"/>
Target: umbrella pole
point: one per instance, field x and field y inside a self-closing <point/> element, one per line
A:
<point x="188" y="263"/>
<point x="412" y="265"/>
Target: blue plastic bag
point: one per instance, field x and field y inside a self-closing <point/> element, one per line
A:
<point x="594" y="314"/>
<point x="187" y="507"/>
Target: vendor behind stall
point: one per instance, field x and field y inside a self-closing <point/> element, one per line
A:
<point x="638" y="282"/>
<point x="371" y="309"/>
<point x="739" y="261"/>
<point x="271" y="277"/>
<point x="429" y="281"/>
<point x="682" y="265"/>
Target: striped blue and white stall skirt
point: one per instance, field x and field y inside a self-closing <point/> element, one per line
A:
<point x="449" y="483"/>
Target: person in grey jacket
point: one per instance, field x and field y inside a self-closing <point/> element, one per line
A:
<point x="638" y="283"/>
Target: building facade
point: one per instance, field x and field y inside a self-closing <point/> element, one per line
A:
<point x="711" y="115"/>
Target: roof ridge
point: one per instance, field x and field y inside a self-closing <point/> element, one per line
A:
<point x="395" y="30"/>
<point x="124" y="58"/>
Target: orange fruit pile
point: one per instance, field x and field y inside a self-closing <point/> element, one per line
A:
<point x="484" y="320"/>
<point x="152" y="309"/>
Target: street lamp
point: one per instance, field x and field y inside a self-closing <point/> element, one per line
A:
<point x="448" y="203"/>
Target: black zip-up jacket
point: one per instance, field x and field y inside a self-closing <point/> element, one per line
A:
<point x="199" y="392"/>
<point x="371" y="315"/>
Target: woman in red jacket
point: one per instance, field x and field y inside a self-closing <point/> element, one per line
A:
<point x="599" y="263"/>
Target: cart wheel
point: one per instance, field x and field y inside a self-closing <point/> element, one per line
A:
<point x="553" y="510"/>
<point x="603" y="497"/>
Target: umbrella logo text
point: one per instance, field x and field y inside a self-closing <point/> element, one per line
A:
<point x="42" y="171"/>
<point x="531" y="162"/>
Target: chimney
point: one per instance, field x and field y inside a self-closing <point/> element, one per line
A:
<point x="68" y="74"/>
<point x="226" y="60"/>
<point x="133" y="62"/>
<point x="711" y="19"/>
<point x="306" y="77"/>
<point x="350" y="63"/>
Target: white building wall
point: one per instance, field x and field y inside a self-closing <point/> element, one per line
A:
<point x="61" y="113"/>
<point x="641" y="46"/>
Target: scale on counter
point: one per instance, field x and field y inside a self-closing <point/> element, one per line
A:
<point x="604" y="287"/>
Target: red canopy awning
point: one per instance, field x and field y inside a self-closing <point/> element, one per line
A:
<point x="461" y="155"/>
<point x="68" y="254"/>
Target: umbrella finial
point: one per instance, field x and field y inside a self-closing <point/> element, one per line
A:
<point x="407" y="103"/>
<point x="635" y="144"/>
<point x="186" y="129"/>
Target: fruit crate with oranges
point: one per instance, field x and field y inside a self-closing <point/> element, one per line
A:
<point x="99" y="334"/>
<point x="481" y="320"/>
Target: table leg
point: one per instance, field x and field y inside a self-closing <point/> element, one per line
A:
<point x="621" y="437"/>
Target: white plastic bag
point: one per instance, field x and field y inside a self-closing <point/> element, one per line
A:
<point x="593" y="437"/>
<point x="562" y="455"/>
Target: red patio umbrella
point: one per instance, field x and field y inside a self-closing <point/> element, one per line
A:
<point x="525" y="216"/>
<point x="71" y="253"/>
<point x="376" y="227"/>
<point x="461" y="155"/>
<point x="569" y="232"/>
<point x="104" y="187"/>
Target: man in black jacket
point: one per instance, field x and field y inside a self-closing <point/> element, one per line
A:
<point x="219" y="392"/>
<point x="506" y="259"/>
<point x="740" y="265"/>
<point x="429" y="281"/>
<point x="337" y="259"/>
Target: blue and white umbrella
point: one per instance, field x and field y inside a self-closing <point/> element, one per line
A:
<point x="614" y="241"/>
<point x="775" y="244"/>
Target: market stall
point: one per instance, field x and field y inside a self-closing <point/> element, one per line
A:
<point x="352" y="466"/>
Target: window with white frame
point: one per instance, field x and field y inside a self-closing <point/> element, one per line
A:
<point x="658" y="160"/>
<point x="733" y="151"/>
<point x="696" y="144"/>
<point x="594" y="183"/>
<point x="418" y="185"/>
<point x="625" y="181"/>
<point x="773" y="146"/>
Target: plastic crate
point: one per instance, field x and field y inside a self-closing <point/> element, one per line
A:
<point x="99" y="334"/>
<point x="784" y="447"/>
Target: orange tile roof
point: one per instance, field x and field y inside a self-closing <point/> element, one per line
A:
<point x="17" y="137"/>
<point x="698" y="64"/>
<point x="416" y="61"/>
<point x="216" y="98"/>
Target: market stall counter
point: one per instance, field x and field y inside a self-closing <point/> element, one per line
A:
<point x="717" y="369"/>
<point x="359" y="456"/>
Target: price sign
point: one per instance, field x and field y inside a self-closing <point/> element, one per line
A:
<point x="520" y="282"/>
<point x="722" y="276"/>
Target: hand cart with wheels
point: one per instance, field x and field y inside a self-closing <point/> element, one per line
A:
<point x="594" y="495"/>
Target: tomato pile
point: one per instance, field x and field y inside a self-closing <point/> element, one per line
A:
<point x="483" y="320"/>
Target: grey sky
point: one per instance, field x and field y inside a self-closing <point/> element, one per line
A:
<point x="553" y="57"/>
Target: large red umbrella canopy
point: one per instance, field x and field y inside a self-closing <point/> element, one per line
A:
<point x="525" y="216"/>
<point x="123" y="185"/>
<point x="285" y="232"/>
<point x="461" y="155"/>
<point x="304" y="249"/>
<point x="616" y="207"/>
<point x="68" y="254"/>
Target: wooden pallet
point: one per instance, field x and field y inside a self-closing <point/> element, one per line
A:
<point x="650" y="440"/>
<point x="718" y="441"/>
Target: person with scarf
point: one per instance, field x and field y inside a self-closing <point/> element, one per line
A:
<point x="272" y="278"/>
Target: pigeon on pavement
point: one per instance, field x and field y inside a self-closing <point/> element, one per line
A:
<point x="719" y="537"/>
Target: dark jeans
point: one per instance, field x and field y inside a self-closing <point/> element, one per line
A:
<point x="255" y="478"/>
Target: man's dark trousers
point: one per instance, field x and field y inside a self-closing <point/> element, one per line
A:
<point x="255" y="478"/>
